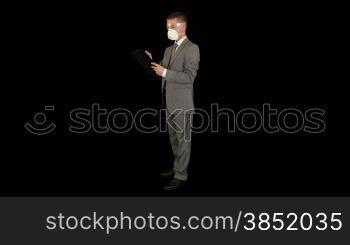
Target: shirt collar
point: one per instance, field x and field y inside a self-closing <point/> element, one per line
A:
<point x="178" y="42"/>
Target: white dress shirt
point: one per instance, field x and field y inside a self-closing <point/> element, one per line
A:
<point x="178" y="42"/>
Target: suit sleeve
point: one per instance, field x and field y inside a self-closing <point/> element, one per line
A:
<point x="191" y="65"/>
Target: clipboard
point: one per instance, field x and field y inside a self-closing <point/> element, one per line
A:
<point x="144" y="60"/>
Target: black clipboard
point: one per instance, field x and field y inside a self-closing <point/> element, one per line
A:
<point x="144" y="60"/>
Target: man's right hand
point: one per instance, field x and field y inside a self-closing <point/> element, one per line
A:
<point x="149" y="54"/>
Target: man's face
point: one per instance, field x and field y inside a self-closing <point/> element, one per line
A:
<point x="174" y="24"/>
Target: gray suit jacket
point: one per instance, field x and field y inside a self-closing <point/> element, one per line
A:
<point x="180" y="75"/>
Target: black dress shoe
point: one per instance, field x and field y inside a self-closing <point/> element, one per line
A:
<point x="167" y="174"/>
<point x="174" y="184"/>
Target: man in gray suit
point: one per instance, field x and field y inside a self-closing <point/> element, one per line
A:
<point x="178" y="70"/>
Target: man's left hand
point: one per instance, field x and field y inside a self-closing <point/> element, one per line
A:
<point x="158" y="69"/>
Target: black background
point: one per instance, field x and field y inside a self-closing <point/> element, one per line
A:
<point x="74" y="55"/>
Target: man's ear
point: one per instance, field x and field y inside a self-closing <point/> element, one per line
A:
<point x="185" y="27"/>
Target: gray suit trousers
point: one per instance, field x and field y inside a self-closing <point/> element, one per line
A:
<point x="179" y="128"/>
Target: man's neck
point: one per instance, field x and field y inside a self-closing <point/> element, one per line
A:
<point x="181" y="36"/>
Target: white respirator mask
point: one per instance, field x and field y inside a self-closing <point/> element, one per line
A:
<point x="173" y="34"/>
